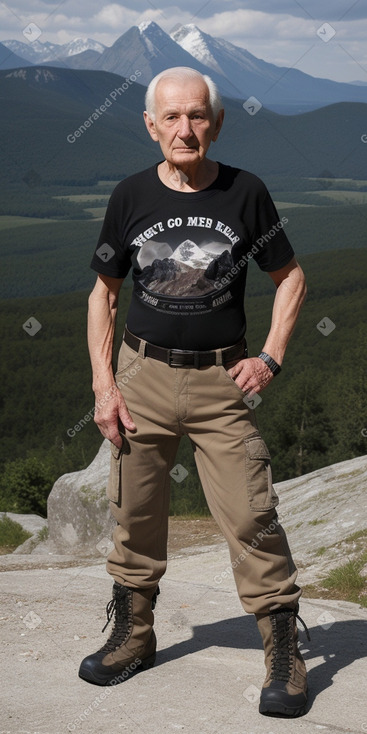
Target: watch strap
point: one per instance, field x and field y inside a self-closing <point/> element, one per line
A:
<point x="272" y="364"/>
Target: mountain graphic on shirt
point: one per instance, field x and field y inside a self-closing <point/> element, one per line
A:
<point x="187" y="271"/>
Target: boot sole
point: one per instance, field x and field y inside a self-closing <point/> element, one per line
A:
<point x="113" y="678"/>
<point x="278" y="709"/>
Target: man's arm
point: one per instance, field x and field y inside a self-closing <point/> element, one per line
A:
<point x="110" y="405"/>
<point x="253" y="374"/>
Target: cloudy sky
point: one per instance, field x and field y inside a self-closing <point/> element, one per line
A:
<point x="283" y="32"/>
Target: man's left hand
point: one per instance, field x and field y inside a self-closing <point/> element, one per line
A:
<point x="251" y="375"/>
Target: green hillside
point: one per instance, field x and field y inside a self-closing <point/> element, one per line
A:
<point x="41" y="114"/>
<point x="311" y="415"/>
<point x="60" y="251"/>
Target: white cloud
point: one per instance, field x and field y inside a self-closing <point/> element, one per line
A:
<point x="266" y="31"/>
<point x="114" y="16"/>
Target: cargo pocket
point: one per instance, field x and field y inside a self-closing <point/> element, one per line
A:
<point x="114" y="485"/>
<point x="260" y="490"/>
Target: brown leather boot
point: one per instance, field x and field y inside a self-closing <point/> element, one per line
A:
<point x="132" y="643"/>
<point x="284" y="692"/>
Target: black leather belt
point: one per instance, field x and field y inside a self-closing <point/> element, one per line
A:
<point x="185" y="357"/>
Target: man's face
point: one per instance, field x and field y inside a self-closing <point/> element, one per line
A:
<point x="184" y="124"/>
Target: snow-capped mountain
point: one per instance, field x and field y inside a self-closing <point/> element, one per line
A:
<point x="79" y="45"/>
<point x="272" y="85"/>
<point x="9" y="59"/>
<point x="190" y="254"/>
<point x="41" y="53"/>
<point x="196" y="43"/>
<point x="147" y="49"/>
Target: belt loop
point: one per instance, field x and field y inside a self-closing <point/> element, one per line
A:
<point x="142" y="346"/>
<point x="218" y="357"/>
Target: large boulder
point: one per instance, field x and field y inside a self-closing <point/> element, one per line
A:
<point x="79" y="517"/>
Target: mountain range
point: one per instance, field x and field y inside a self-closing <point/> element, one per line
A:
<point x="45" y="110"/>
<point x="149" y="49"/>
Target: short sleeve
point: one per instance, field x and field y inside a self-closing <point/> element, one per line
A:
<point x="111" y="257"/>
<point x="270" y="245"/>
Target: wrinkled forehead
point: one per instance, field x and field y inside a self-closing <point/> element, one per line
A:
<point x="171" y="90"/>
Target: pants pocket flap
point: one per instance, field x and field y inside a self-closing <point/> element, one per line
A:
<point x="256" y="447"/>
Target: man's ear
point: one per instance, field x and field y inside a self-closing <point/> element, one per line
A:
<point x="150" y="125"/>
<point x="218" y="124"/>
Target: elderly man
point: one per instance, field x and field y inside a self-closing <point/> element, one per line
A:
<point x="188" y="227"/>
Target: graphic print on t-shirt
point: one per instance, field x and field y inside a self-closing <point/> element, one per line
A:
<point x="187" y="266"/>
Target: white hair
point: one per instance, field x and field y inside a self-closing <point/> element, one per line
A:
<point x="182" y="73"/>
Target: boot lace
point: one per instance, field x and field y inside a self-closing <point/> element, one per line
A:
<point x="120" y="607"/>
<point x="283" y="635"/>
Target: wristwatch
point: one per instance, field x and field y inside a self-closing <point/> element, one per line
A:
<point x="272" y="364"/>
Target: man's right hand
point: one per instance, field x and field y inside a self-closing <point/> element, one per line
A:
<point x="110" y="412"/>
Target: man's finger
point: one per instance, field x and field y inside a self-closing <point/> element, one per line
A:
<point x="126" y="419"/>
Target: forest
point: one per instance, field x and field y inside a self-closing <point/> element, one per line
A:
<point x="313" y="414"/>
<point x="53" y="198"/>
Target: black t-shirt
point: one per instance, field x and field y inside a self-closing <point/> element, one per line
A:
<point x="189" y="253"/>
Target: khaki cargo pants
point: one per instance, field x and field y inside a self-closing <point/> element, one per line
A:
<point x="234" y="469"/>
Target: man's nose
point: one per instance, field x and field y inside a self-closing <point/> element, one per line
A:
<point x="184" y="130"/>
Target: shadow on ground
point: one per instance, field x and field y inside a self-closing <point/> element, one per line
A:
<point x="338" y="646"/>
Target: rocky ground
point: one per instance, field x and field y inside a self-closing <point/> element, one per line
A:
<point x="209" y="668"/>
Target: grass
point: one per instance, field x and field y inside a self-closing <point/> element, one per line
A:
<point x="347" y="581"/>
<point x="98" y="198"/>
<point x="290" y="205"/>
<point x="11" y="535"/>
<point x="316" y="522"/>
<point x="9" y="222"/>
<point x="356" y="536"/>
<point x="96" y="212"/>
<point x="344" y="197"/>
<point x="355" y="182"/>
<point x="43" y="534"/>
